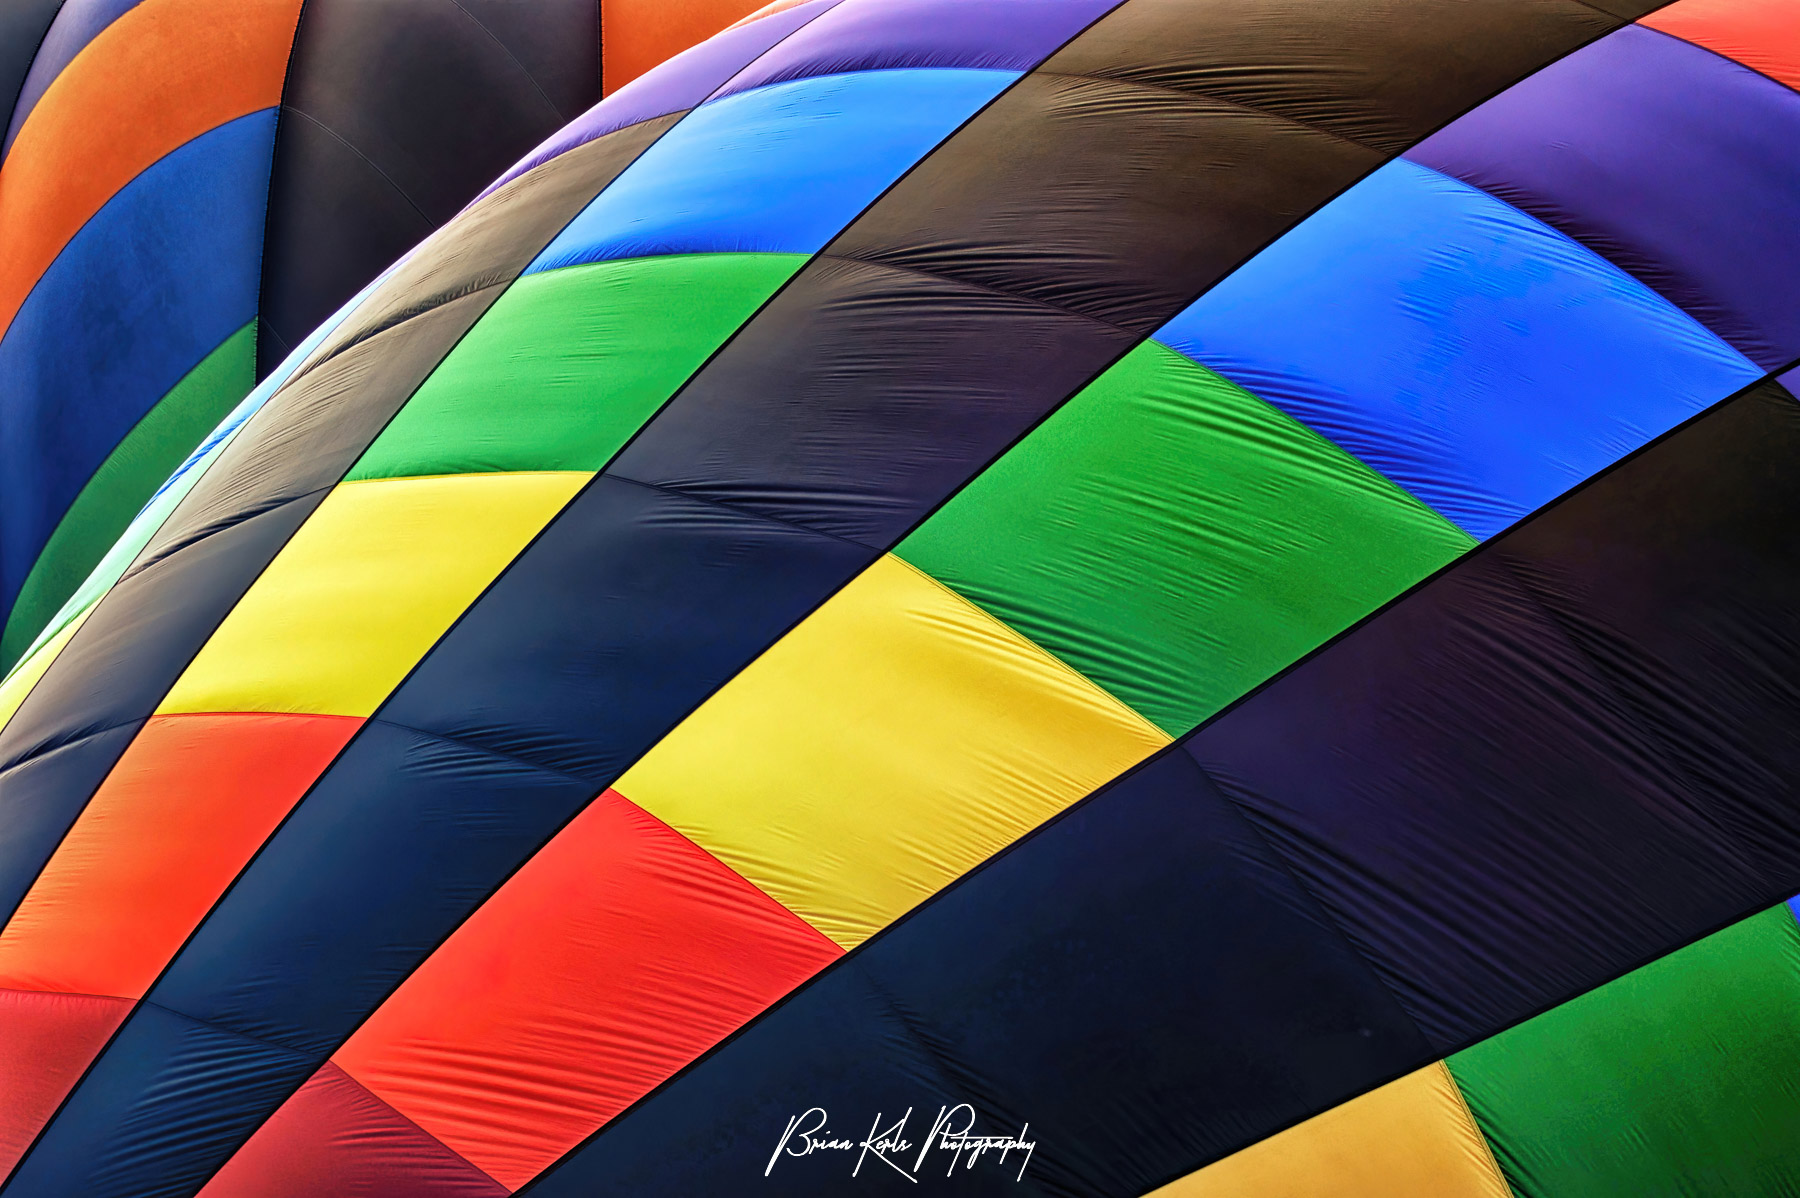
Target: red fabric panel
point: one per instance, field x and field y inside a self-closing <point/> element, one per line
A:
<point x="334" y="1138"/>
<point x="189" y="802"/>
<point x="1762" y="34"/>
<point x="636" y="35"/>
<point x="617" y="955"/>
<point x="46" y="1041"/>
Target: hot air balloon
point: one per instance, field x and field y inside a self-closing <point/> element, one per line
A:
<point x="1135" y="595"/>
<point x="188" y="188"/>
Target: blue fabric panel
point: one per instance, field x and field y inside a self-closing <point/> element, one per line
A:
<point x="202" y="1064"/>
<point x="77" y="23"/>
<point x="161" y="275"/>
<point x="1475" y="356"/>
<point x="781" y="168"/>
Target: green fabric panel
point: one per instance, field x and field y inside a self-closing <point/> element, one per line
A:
<point x="1682" y="1077"/>
<point x="1178" y="540"/>
<point x="128" y="477"/>
<point x="568" y="364"/>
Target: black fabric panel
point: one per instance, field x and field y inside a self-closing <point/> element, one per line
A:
<point x="497" y="238"/>
<point x="111" y="676"/>
<point x="396" y="114"/>
<point x="1115" y="200"/>
<point x="830" y="408"/>
<point x="1383" y="72"/>
<point x="34" y="809"/>
<point x="23" y="24"/>
<point x="202" y="1063"/>
<point x="1148" y="935"/>
<point x="1629" y="10"/>
<point x="599" y="639"/>
<point x="221" y="537"/>
<point x="1572" y="752"/>
<point x="426" y="811"/>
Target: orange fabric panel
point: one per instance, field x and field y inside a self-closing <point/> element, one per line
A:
<point x="1764" y="35"/>
<point x="636" y="35"/>
<point x="46" y="1041"/>
<point x="189" y="802"/>
<point x="158" y="77"/>
<point x="767" y="10"/>
<point x="614" y="957"/>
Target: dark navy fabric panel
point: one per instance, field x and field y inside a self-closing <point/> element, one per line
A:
<point x="35" y="797"/>
<point x="1470" y="353"/>
<point x="162" y="274"/>
<point x="367" y="869"/>
<point x="113" y="673"/>
<point x="673" y="87"/>
<point x="1149" y="934"/>
<point x="124" y="659"/>
<point x="633" y="606"/>
<point x="611" y="667"/>
<point x="23" y="26"/>
<point x="778" y="170"/>
<point x="395" y="115"/>
<point x="863" y="395"/>
<point x="1571" y="752"/>
<point x="878" y="35"/>
<point x="77" y="23"/>
<point x="204" y="1067"/>
<point x="1672" y="162"/>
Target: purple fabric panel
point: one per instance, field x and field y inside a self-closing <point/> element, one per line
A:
<point x="1680" y="166"/>
<point x="872" y="35"/>
<point x="682" y="82"/>
<point x="77" y="23"/>
<point x="1790" y="380"/>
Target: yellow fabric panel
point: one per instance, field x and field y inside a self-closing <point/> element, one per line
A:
<point x="366" y="586"/>
<point x="1413" y="1138"/>
<point x="25" y="675"/>
<point x="896" y="738"/>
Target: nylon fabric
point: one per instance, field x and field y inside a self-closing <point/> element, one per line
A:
<point x="897" y="738"/>
<point x="670" y="89"/>
<point x="885" y="35"/>
<point x="597" y="349"/>
<point x="26" y="673"/>
<point x="1758" y="33"/>
<point x="334" y="1137"/>
<point x="1676" y="1078"/>
<point x="1150" y="936"/>
<point x="778" y="170"/>
<point x="187" y="805"/>
<point x="125" y="481"/>
<point x="395" y="115"/>
<point x="46" y="1040"/>
<point x="1148" y="910"/>
<point x="1177" y="540"/>
<point x="366" y="586"/>
<point x="619" y="953"/>
<point x="1412" y="1138"/>
<point x="1627" y="146"/>
<point x="339" y="949"/>
<point x="1476" y="357"/>
<point x="163" y="274"/>
<point x="23" y="24"/>
<point x="221" y="70"/>
<point x="76" y="23"/>
<point x="642" y="34"/>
